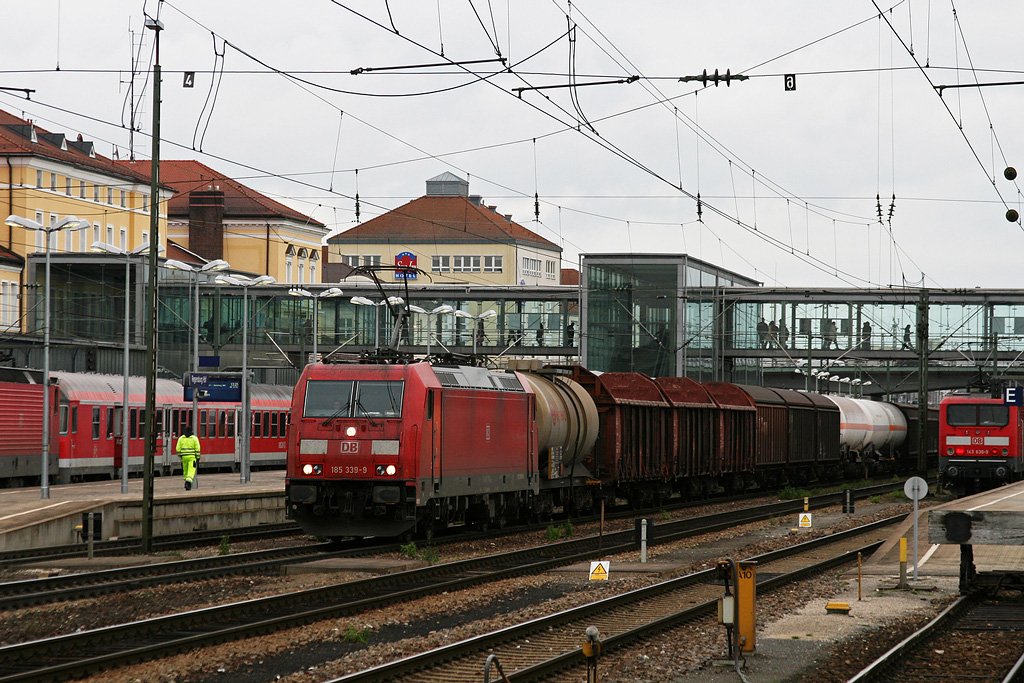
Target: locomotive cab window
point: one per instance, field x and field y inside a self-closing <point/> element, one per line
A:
<point x="379" y="399"/>
<point x="367" y="399"/>
<point x="977" y="415"/>
<point x="328" y="399"/>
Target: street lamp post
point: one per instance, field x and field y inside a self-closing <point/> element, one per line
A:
<point x="214" y="266"/>
<point x="363" y="301"/>
<point x="443" y="309"/>
<point x="479" y="318"/>
<point x="137" y="251"/>
<point x="70" y="223"/>
<point x="245" y="283"/>
<point x="325" y="294"/>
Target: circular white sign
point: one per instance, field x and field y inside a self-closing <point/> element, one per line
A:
<point x="916" y="488"/>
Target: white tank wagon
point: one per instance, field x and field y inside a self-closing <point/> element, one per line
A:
<point x="566" y="416"/>
<point x="869" y="427"/>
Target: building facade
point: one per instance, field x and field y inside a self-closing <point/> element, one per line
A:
<point x="216" y="217"/>
<point x="453" y="236"/>
<point x="48" y="177"/>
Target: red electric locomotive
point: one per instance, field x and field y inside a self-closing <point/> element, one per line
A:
<point x="381" y="450"/>
<point x="980" y="442"/>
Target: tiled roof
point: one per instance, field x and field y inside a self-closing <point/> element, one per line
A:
<point x="443" y="219"/>
<point x="15" y="140"/>
<point x="570" y="276"/>
<point x="186" y="175"/>
<point x="8" y="256"/>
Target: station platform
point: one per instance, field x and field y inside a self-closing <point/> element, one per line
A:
<point x="938" y="556"/>
<point x="220" y="501"/>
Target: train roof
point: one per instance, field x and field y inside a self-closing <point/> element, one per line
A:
<point x="629" y="388"/>
<point x="730" y="396"/>
<point x="683" y="391"/>
<point x="98" y="388"/>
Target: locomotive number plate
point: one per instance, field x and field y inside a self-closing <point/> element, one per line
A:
<point x="349" y="469"/>
<point x="349" y="446"/>
<point x="977" y="440"/>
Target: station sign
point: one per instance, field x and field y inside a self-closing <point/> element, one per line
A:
<point x="1013" y="396"/>
<point x="223" y="387"/>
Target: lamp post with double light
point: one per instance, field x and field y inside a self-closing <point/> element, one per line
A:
<point x="214" y="266"/>
<point x="315" y="296"/>
<point x="443" y="309"/>
<point x="363" y="301"/>
<point x="69" y="223"/>
<point x="479" y="318"/>
<point x="245" y="283"/>
<point x="103" y="247"/>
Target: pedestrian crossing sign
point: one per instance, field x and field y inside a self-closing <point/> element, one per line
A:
<point x="599" y="570"/>
<point x="805" y="520"/>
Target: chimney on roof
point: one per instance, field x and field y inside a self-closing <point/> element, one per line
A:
<point x="476" y="199"/>
<point x="206" y="223"/>
<point x="508" y="217"/>
<point x="79" y="138"/>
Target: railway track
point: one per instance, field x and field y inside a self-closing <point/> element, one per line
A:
<point x="977" y="638"/>
<point x="550" y="646"/>
<point x="90" y="651"/>
<point x="17" y="594"/>
<point x="124" y="546"/>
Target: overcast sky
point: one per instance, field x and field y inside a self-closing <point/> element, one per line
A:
<point x="788" y="180"/>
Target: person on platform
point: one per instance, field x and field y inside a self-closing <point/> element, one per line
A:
<point x="188" y="449"/>
<point x="762" y="334"/>
<point x="907" y="344"/>
<point x="773" y="334"/>
<point x="865" y="336"/>
<point x="540" y="334"/>
<point x="783" y="333"/>
<point x="570" y="334"/>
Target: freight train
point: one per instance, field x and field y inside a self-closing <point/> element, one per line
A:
<point x="410" y="448"/>
<point x="86" y="426"/>
<point x="981" y="442"/>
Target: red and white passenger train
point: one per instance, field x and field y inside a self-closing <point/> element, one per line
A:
<point x="393" y="449"/>
<point x="981" y="441"/>
<point x="86" y="425"/>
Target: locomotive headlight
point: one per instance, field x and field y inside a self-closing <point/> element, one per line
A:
<point x="351" y="431"/>
<point x="391" y="469"/>
<point x="388" y="470"/>
<point x="949" y="450"/>
<point x="307" y="469"/>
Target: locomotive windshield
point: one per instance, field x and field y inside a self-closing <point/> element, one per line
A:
<point x="345" y="398"/>
<point x="977" y="415"/>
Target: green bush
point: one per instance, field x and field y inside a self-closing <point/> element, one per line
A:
<point x="225" y="545"/>
<point x="352" y="634"/>
<point x="792" y="493"/>
<point x="409" y="550"/>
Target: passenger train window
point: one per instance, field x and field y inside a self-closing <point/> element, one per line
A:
<point x="96" y="423"/>
<point x="222" y="417"/>
<point x="230" y="430"/>
<point x="274" y="433"/>
<point x="110" y="421"/>
<point x="266" y="424"/>
<point x="159" y="422"/>
<point x="212" y="428"/>
<point x="257" y="423"/>
<point x="64" y="419"/>
<point x="993" y="415"/>
<point x="202" y="424"/>
<point x="74" y="419"/>
<point x="133" y="423"/>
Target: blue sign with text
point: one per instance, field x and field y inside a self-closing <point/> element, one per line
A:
<point x="224" y="387"/>
<point x="1013" y="396"/>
